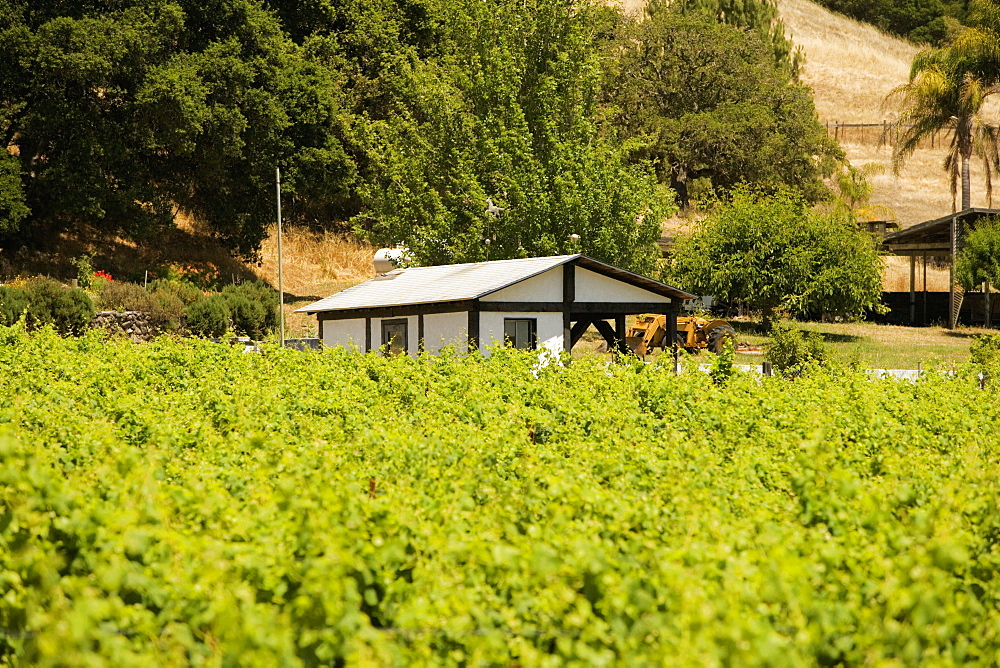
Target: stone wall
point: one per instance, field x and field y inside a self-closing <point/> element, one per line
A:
<point x="132" y="324"/>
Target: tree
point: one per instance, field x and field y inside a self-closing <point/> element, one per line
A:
<point x="703" y="101"/>
<point x="854" y="187"/>
<point x="501" y="104"/>
<point x="770" y="251"/>
<point x="979" y="258"/>
<point x="946" y="93"/>
<point x="121" y="113"/>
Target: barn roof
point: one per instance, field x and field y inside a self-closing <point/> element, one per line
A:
<point x="458" y="282"/>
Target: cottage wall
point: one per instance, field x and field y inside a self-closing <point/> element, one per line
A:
<point x="346" y="333"/>
<point x="549" y="328"/>
<point x="443" y="329"/>
<point x="593" y="287"/>
<point x="546" y="287"/>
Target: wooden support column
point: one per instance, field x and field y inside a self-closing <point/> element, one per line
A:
<point x="924" y="319"/>
<point x="569" y="296"/>
<point x="913" y="289"/>
<point x="670" y="345"/>
<point x="368" y="335"/>
<point x="989" y="306"/>
<point x="420" y="333"/>
<point x="607" y="332"/>
<point x="472" y="329"/>
<point x="620" y="344"/>
<point x="577" y="330"/>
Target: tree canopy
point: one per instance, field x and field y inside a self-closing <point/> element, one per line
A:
<point x="703" y="101"/>
<point x="119" y="113"/>
<point x="979" y="258"/>
<point x="397" y="119"/>
<point x="771" y="251"/>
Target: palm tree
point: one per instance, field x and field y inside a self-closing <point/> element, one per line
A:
<point x="945" y="93"/>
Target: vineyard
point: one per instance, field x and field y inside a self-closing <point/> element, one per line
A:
<point x="181" y="502"/>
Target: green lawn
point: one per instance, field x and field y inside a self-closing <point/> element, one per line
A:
<point x="876" y="346"/>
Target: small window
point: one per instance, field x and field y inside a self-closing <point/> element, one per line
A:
<point x="520" y="333"/>
<point x="394" y="337"/>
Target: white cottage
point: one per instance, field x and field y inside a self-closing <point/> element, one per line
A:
<point x="528" y="303"/>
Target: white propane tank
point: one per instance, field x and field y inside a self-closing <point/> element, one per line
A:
<point x="387" y="259"/>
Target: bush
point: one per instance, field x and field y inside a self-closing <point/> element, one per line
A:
<point x="247" y="315"/>
<point x="13" y="304"/>
<point x="791" y="350"/>
<point x="70" y="311"/>
<point x="209" y="317"/>
<point x="259" y="293"/>
<point x="985" y="356"/>
<point x="185" y="291"/>
<point x="167" y="312"/>
<point x="122" y="296"/>
<point x="74" y="312"/>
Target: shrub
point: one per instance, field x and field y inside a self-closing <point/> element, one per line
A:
<point x="985" y="356"/>
<point x="260" y="293"/>
<point x="247" y="315"/>
<point x="70" y="311"/>
<point x="122" y="296"/>
<point x="74" y="312"/>
<point x="185" y="291"/>
<point x="791" y="350"/>
<point x="167" y="312"/>
<point x="13" y="304"/>
<point x="208" y="317"/>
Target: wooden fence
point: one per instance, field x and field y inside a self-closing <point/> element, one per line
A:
<point x="879" y="134"/>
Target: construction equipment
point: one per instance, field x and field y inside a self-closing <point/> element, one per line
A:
<point x="693" y="333"/>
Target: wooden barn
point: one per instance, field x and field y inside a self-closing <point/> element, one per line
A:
<point x="530" y="303"/>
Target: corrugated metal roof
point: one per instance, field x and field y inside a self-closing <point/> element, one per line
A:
<point x="441" y="283"/>
<point x="458" y="282"/>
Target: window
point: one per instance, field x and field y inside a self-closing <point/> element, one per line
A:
<point x="394" y="337"/>
<point x="520" y="333"/>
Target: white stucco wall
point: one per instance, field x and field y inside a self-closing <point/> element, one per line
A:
<point x="346" y="333"/>
<point x="593" y="287"/>
<point x="546" y="287"/>
<point x="548" y="327"/>
<point x="442" y="329"/>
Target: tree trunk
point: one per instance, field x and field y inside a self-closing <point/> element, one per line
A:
<point x="966" y="183"/>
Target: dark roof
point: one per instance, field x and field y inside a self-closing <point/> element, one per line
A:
<point x="936" y="232"/>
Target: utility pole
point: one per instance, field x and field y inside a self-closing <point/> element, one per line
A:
<point x="281" y="285"/>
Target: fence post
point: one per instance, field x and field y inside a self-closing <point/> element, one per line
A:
<point x="767" y="369"/>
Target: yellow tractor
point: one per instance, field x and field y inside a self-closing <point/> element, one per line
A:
<point x="693" y="333"/>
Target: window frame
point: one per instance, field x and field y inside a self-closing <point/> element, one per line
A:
<point x="386" y="346"/>
<point x="532" y="333"/>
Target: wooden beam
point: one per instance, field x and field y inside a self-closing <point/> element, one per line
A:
<point x="913" y="289"/>
<point x="906" y="249"/>
<point x="620" y="334"/>
<point x="607" y="331"/>
<point x="577" y="331"/>
<point x="368" y="335"/>
<point x="420" y="332"/>
<point x="397" y="311"/>
<point x="472" y="329"/>
<point x="577" y="308"/>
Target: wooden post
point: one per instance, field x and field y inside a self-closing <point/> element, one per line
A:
<point x="913" y="289"/>
<point x="989" y="307"/>
<point x="620" y="344"/>
<point x="768" y="369"/>
<point x="954" y="305"/>
<point x="925" y="289"/>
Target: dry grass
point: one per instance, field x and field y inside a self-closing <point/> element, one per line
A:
<point x="315" y="258"/>
<point x="851" y="67"/>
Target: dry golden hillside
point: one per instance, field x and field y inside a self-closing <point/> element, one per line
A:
<point x="851" y="67"/>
